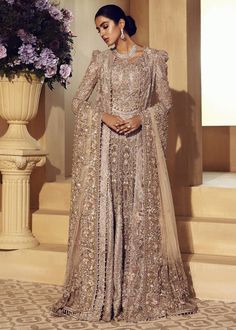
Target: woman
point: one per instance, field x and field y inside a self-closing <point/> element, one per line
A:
<point x="124" y="261"/>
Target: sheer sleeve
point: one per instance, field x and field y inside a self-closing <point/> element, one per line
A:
<point x="163" y="105"/>
<point x="161" y="83"/>
<point x="88" y="83"/>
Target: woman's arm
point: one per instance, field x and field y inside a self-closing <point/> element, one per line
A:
<point x="161" y="83"/>
<point x="87" y="84"/>
<point x="163" y="105"/>
<point x="80" y="100"/>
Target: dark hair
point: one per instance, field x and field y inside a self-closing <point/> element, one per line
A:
<point x="116" y="13"/>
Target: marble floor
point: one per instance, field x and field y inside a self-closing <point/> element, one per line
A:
<point x="25" y="306"/>
<point x="219" y="179"/>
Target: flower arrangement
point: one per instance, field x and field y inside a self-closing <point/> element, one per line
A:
<point x="35" y="37"/>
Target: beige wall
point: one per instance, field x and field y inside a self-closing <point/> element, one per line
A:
<point x="219" y="148"/>
<point x="139" y="9"/>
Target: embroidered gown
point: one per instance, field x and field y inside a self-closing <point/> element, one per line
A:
<point x="123" y="261"/>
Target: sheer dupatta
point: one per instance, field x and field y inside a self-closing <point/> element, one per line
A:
<point x="158" y="191"/>
<point x="84" y="287"/>
<point x="155" y="117"/>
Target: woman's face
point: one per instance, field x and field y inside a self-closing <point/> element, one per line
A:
<point x="108" y="29"/>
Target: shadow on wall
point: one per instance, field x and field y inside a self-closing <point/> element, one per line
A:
<point x="36" y="128"/>
<point x="183" y="149"/>
<point x="57" y="131"/>
<point x="3" y="127"/>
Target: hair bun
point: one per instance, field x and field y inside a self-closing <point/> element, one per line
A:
<point x="130" y="25"/>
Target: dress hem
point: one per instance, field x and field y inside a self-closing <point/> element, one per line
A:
<point x="87" y="316"/>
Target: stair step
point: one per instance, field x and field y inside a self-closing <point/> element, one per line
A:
<point x="50" y="226"/>
<point x="213" y="277"/>
<point x="198" y="201"/>
<point x="196" y="235"/>
<point x="55" y="195"/>
<point x="205" y="201"/>
<point x="44" y="263"/>
<point x="214" y="236"/>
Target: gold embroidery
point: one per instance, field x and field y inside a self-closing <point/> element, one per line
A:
<point x="118" y="265"/>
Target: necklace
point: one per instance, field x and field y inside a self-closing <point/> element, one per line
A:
<point x="110" y="64"/>
<point x="130" y="53"/>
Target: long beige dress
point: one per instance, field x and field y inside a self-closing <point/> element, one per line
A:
<point x="124" y="261"/>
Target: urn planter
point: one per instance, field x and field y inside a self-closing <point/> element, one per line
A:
<point x="19" y="100"/>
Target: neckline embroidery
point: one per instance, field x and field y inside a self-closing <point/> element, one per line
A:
<point x="127" y="61"/>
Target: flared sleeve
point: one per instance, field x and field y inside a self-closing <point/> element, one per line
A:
<point x="163" y="97"/>
<point x="80" y="101"/>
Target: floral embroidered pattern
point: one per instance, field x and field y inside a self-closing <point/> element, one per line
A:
<point x="122" y="264"/>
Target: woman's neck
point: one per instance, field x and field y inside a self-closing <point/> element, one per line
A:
<point x="124" y="46"/>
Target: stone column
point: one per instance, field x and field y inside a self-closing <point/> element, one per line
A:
<point x="16" y="167"/>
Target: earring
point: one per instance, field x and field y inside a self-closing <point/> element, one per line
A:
<point x="122" y="36"/>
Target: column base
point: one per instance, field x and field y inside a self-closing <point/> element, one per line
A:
<point x="17" y="241"/>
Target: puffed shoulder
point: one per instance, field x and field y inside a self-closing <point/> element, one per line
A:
<point x="160" y="54"/>
<point x="163" y="53"/>
<point x="95" y="54"/>
<point x="159" y="57"/>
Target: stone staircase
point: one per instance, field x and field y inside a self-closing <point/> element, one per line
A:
<point x="207" y="237"/>
<point x="206" y="221"/>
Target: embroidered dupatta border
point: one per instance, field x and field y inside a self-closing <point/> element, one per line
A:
<point x="86" y="174"/>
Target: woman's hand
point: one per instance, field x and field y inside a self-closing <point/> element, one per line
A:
<point x="112" y="121"/>
<point x="130" y="125"/>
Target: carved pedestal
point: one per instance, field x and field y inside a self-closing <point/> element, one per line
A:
<point x="16" y="167"/>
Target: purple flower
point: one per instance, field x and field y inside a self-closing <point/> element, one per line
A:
<point x="27" y="54"/>
<point x="10" y="2"/>
<point x="47" y="59"/>
<point x="42" y="4"/>
<point x="67" y="15"/>
<point x="67" y="27"/>
<point x="39" y="42"/>
<point x="50" y="72"/>
<point x="67" y="18"/>
<point x="27" y="38"/>
<point x="3" y="51"/>
<point x="65" y="71"/>
<point x="55" y="13"/>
